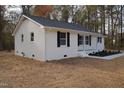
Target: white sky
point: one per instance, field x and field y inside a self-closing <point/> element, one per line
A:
<point x="61" y="2"/>
<point x="16" y="8"/>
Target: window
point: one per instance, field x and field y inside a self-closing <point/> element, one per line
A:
<point x="32" y="36"/>
<point x="99" y="39"/>
<point x="62" y="38"/>
<point x="22" y="37"/>
<point x="81" y="40"/>
<point x="87" y="40"/>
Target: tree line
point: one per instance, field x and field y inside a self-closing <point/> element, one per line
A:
<point x="104" y="19"/>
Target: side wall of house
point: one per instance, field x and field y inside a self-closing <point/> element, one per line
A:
<point x="53" y="52"/>
<point x="88" y="48"/>
<point x="101" y="46"/>
<point x="28" y="47"/>
<point x="95" y="46"/>
<point x="44" y="47"/>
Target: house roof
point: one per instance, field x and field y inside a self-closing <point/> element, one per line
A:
<point x="53" y="23"/>
<point x="59" y="24"/>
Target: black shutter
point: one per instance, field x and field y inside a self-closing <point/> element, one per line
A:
<point x="78" y="39"/>
<point x="97" y="39"/>
<point x="58" y="39"/>
<point x="68" y="39"/>
<point x="90" y="40"/>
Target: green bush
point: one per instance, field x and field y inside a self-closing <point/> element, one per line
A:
<point x="104" y="53"/>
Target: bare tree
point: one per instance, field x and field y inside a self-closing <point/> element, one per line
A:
<point x="121" y="24"/>
<point x="2" y="9"/>
<point x="26" y="9"/>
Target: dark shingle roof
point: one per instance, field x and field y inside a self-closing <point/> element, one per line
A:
<point x="59" y="24"/>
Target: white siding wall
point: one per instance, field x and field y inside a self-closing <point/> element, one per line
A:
<point x="94" y="45"/>
<point x="36" y="47"/>
<point x="91" y="48"/>
<point x="44" y="46"/>
<point x="53" y="52"/>
<point x="100" y="46"/>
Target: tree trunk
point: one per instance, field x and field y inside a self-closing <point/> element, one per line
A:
<point x="112" y="32"/>
<point x="1" y="27"/>
<point x="108" y="31"/>
<point x="121" y="26"/>
<point x="104" y="20"/>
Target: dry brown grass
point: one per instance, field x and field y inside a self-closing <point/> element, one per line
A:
<point x="75" y="72"/>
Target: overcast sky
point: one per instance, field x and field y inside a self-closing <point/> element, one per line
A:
<point x="15" y="8"/>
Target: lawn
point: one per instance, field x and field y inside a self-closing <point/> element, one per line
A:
<point x="75" y="72"/>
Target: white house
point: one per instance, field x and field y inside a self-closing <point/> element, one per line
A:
<point x="44" y="39"/>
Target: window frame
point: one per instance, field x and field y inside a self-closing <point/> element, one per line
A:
<point x="63" y="38"/>
<point x="81" y="39"/>
<point x="32" y="36"/>
<point x="99" y="39"/>
<point x="87" y="41"/>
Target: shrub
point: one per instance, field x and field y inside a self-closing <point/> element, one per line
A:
<point x="104" y="53"/>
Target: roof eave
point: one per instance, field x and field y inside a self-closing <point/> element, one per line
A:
<point x="79" y="31"/>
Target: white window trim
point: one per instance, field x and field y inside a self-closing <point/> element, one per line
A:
<point x="63" y="38"/>
<point x="31" y="37"/>
<point x="87" y="40"/>
<point x="81" y="40"/>
<point x="99" y="40"/>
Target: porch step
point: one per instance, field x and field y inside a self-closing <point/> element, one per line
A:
<point x="82" y="54"/>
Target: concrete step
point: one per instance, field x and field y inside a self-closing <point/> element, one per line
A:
<point x="82" y="54"/>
